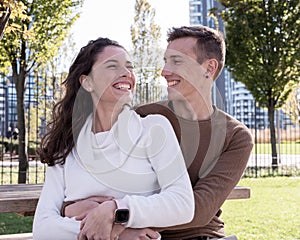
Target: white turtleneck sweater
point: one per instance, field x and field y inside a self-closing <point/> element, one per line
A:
<point x="138" y="162"/>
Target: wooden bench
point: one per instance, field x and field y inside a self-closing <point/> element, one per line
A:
<point x="20" y="236"/>
<point x="23" y="198"/>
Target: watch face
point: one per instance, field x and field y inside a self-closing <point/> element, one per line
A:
<point x="121" y="216"/>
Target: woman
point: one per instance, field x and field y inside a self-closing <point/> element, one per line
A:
<point x="98" y="146"/>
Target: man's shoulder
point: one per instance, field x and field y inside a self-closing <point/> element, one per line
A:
<point x="152" y="108"/>
<point x="234" y="126"/>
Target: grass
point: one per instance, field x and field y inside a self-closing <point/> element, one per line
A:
<point x="272" y="212"/>
<point x="285" y="148"/>
<point x="14" y="223"/>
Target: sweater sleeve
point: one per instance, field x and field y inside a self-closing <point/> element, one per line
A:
<point x="211" y="191"/>
<point x="174" y="204"/>
<point x="48" y="223"/>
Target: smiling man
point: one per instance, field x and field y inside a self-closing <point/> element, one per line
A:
<point x="216" y="147"/>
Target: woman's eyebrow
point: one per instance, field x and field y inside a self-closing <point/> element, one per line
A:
<point x="110" y="61"/>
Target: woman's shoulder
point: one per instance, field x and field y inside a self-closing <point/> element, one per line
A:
<point x="156" y="121"/>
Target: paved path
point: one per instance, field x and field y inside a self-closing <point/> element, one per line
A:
<point x="265" y="160"/>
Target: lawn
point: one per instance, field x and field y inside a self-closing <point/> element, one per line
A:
<point x="272" y="212"/>
<point x="285" y="148"/>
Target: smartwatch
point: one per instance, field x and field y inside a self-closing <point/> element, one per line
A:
<point x="121" y="216"/>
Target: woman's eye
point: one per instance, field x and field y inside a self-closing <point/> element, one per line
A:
<point x="112" y="66"/>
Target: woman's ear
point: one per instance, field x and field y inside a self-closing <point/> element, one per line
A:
<point x="85" y="82"/>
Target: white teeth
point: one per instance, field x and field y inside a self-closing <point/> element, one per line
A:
<point x="173" y="83"/>
<point x="123" y="86"/>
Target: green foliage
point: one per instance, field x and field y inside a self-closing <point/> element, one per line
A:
<point x="41" y="34"/>
<point x="263" y="47"/>
<point x="11" y="9"/>
<point x="263" y="51"/>
<point x="145" y="35"/>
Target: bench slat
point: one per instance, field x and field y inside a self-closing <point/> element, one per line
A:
<point x="23" y="236"/>
<point x="23" y="198"/>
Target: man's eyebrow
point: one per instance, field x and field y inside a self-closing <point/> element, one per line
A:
<point x="173" y="56"/>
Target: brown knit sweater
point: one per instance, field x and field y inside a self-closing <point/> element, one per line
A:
<point x="216" y="152"/>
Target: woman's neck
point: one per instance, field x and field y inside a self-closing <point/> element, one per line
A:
<point x="105" y="116"/>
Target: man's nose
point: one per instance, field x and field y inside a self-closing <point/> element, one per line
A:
<point x="165" y="72"/>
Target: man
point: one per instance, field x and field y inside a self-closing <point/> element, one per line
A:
<point x="216" y="147"/>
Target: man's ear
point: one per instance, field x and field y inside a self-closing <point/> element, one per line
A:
<point x="212" y="67"/>
<point x="85" y="82"/>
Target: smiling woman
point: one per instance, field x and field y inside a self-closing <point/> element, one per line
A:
<point x="111" y="164"/>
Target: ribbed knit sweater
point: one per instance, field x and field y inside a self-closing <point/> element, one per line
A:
<point x="216" y="152"/>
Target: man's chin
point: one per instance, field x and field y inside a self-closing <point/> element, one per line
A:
<point x="174" y="95"/>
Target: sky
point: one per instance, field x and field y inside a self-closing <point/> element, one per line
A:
<point x="113" y="18"/>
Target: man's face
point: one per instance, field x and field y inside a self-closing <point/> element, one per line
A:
<point x="184" y="75"/>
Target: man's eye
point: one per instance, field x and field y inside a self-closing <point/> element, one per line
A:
<point x="130" y="67"/>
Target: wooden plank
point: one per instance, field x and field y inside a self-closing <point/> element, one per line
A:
<point x="239" y="192"/>
<point x="23" y="236"/>
<point x="23" y="198"/>
<point x="19" y="198"/>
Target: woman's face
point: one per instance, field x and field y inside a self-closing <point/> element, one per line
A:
<point x="111" y="80"/>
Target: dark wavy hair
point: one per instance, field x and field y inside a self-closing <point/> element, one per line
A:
<point x="71" y="112"/>
<point x="210" y="43"/>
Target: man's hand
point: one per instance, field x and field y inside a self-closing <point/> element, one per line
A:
<point x="98" y="223"/>
<point x="83" y="207"/>
<point x="139" y="234"/>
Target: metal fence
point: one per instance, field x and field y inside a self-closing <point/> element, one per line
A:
<point x="42" y="92"/>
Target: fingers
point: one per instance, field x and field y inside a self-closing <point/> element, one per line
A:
<point x="152" y="234"/>
<point x="82" y="224"/>
<point x="116" y="231"/>
<point x="81" y="216"/>
<point x="81" y="237"/>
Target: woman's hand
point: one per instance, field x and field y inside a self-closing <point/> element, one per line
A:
<point x="98" y="223"/>
<point x="83" y="207"/>
<point x="139" y="234"/>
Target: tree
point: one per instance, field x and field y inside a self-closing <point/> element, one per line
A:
<point x="263" y="51"/>
<point x="11" y="9"/>
<point x="41" y="35"/>
<point x="145" y="35"/>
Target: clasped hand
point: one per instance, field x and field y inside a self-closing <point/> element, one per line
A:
<point x="97" y="221"/>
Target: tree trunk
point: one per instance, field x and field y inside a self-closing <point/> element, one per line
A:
<point x="19" y="80"/>
<point x="271" y="112"/>
<point x="3" y="21"/>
